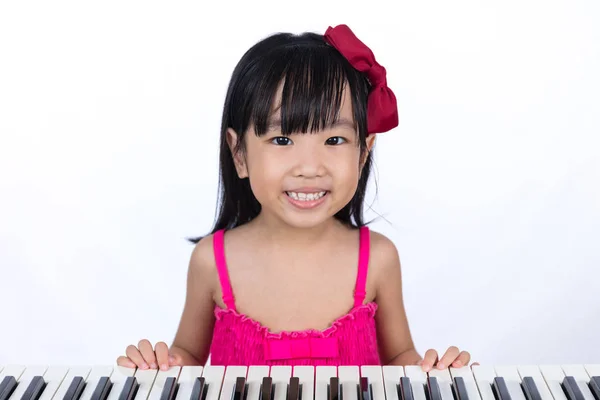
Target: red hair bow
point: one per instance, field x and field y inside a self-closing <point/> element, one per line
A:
<point x="382" y="110"/>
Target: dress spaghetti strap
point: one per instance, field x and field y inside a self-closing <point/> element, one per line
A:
<point x="219" y="252"/>
<point x="363" y="266"/>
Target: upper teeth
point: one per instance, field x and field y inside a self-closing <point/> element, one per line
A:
<point x="305" y="196"/>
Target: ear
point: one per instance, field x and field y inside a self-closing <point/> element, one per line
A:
<point x="370" y="143"/>
<point x="238" y="156"/>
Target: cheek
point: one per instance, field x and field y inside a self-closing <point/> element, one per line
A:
<point x="347" y="173"/>
<point x="348" y="165"/>
<point x="266" y="175"/>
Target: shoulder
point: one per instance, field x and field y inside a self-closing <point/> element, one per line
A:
<point x="384" y="257"/>
<point x="383" y="248"/>
<point x="202" y="261"/>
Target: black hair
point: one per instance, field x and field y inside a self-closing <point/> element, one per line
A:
<point x="314" y="75"/>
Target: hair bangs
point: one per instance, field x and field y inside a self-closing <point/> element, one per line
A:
<point x="302" y="91"/>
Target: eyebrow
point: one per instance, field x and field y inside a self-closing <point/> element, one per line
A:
<point x="275" y="123"/>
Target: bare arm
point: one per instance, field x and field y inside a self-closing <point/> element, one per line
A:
<point x="194" y="334"/>
<point x="395" y="341"/>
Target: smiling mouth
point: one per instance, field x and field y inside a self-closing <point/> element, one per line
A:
<point x="300" y="196"/>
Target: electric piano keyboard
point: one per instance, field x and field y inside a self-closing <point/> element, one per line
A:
<point x="480" y="382"/>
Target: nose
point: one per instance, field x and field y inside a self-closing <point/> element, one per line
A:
<point x="309" y="161"/>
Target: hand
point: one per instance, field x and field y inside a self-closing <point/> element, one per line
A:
<point x="144" y="357"/>
<point x="452" y="358"/>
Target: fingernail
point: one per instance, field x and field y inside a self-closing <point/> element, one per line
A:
<point x="144" y="366"/>
<point x="164" y="367"/>
<point x="153" y="365"/>
<point x="426" y="367"/>
<point x="458" y="363"/>
<point x="441" y="366"/>
<point x="171" y="359"/>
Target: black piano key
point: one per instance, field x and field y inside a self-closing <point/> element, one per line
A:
<point x="102" y="389"/>
<point x="571" y="388"/>
<point x="406" y="392"/>
<point x="9" y="384"/>
<point x="364" y="389"/>
<point x="460" y="389"/>
<point x="595" y="386"/>
<point x="530" y="389"/>
<point x="500" y="389"/>
<point x="168" y="389"/>
<point x="433" y="388"/>
<point x="130" y="388"/>
<point x="75" y="388"/>
<point x="239" y="388"/>
<point x="199" y="389"/>
<point x="266" y="388"/>
<point x="35" y="388"/>
<point x="334" y="389"/>
<point x="293" y="392"/>
<point x="4" y="382"/>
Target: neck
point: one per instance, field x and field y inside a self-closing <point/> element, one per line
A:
<point x="279" y="233"/>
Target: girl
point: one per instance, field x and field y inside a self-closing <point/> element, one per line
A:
<point x="290" y="274"/>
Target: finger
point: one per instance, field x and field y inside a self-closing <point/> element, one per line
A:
<point x="448" y="357"/>
<point x="429" y="360"/>
<point x="175" y="359"/>
<point x="125" y="362"/>
<point x="148" y="353"/>
<point x="463" y="359"/>
<point x="162" y="355"/>
<point x="134" y="355"/>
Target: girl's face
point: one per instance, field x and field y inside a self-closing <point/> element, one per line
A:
<point x="303" y="179"/>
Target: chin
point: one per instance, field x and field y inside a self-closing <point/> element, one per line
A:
<point x="307" y="222"/>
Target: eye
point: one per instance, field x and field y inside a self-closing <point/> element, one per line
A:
<point x="335" y="140"/>
<point x="281" y="141"/>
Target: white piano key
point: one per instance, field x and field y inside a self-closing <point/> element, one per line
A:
<point x="323" y="374"/>
<point x="186" y="380"/>
<point x="554" y="375"/>
<point x="534" y="372"/>
<point x="391" y="380"/>
<point x="213" y="375"/>
<point x="82" y="371"/>
<point x="161" y="379"/>
<point x="145" y="379"/>
<point x="470" y="384"/>
<point x="349" y="380"/>
<point x="53" y="377"/>
<point x="281" y="375"/>
<point x="592" y="369"/>
<point x="513" y="381"/>
<point x="12" y="370"/>
<point x="374" y="374"/>
<point x="306" y="376"/>
<point x="231" y="374"/>
<point x="418" y="380"/>
<point x="256" y="373"/>
<point x="25" y="380"/>
<point x="444" y="381"/>
<point x="484" y="377"/>
<point x="581" y="377"/>
<point x="117" y="378"/>
<point x="93" y="378"/>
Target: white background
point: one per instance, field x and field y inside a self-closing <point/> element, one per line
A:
<point x="109" y="120"/>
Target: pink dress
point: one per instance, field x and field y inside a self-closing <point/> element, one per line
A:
<point x="350" y="340"/>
